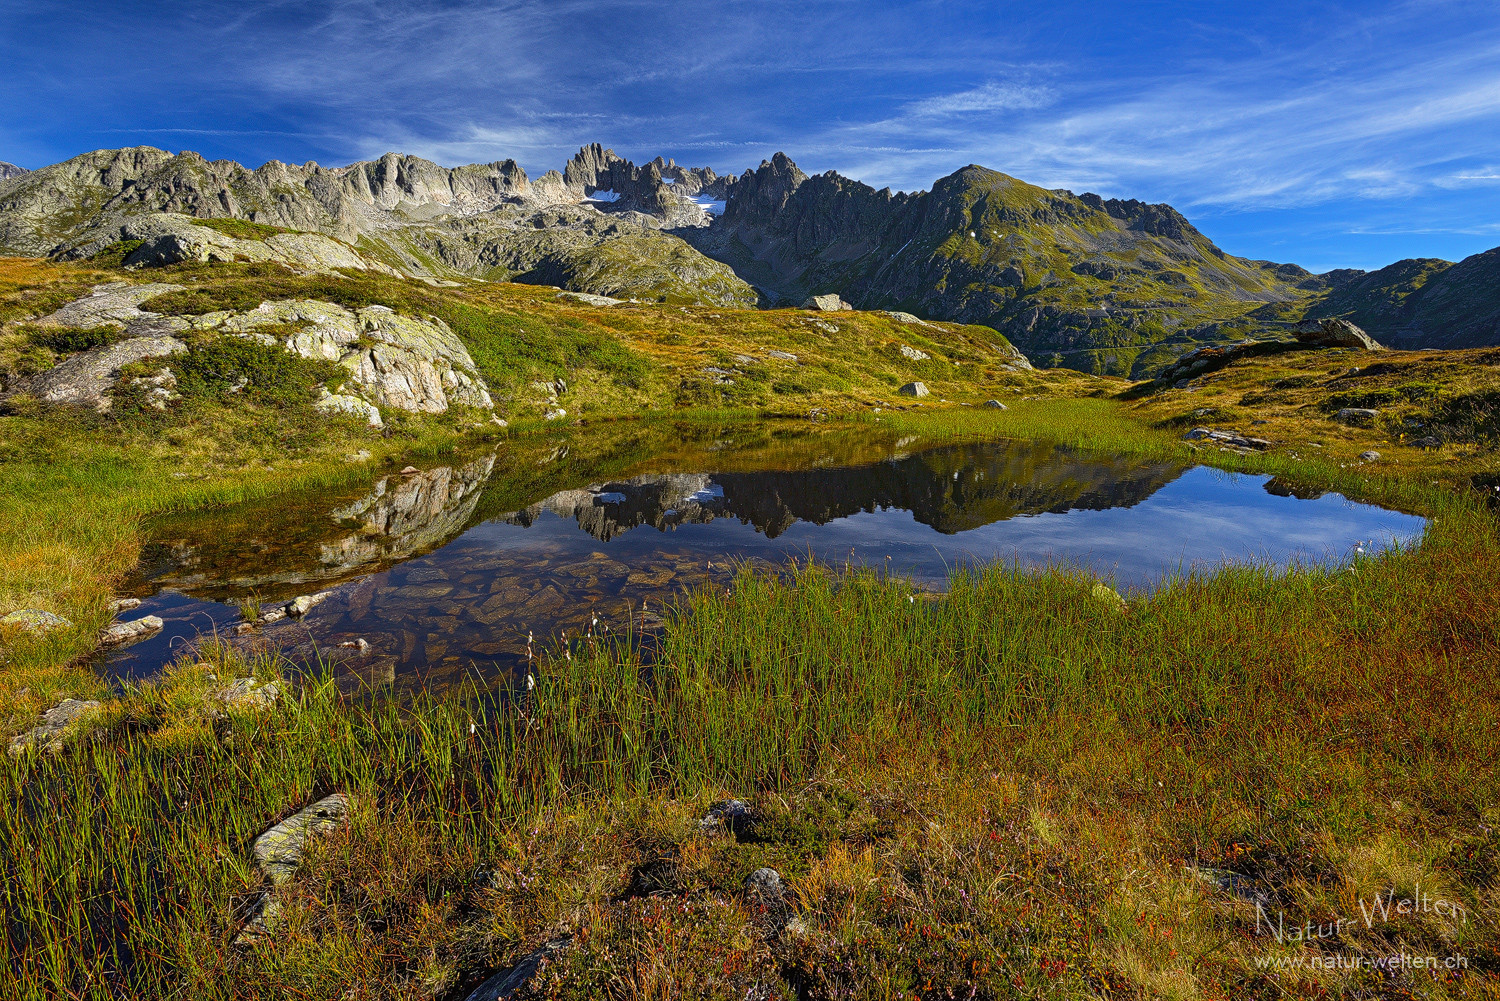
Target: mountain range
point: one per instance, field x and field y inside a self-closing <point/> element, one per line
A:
<point x="1103" y="285"/>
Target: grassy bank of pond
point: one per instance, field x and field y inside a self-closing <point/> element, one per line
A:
<point x="1023" y="788"/>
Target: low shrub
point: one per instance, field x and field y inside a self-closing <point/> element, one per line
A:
<point x="259" y="373"/>
<point x="67" y="340"/>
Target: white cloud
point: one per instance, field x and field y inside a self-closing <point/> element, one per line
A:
<point x="993" y="96"/>
<point x="1283" y="129"/>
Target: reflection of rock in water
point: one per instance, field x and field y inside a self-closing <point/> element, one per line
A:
<point x="951" y="489"/>
<point x="472" y="604"/>
<point x="272" y="549"/>
<point x="606" y="510"/>
<point x="406" y="515"/>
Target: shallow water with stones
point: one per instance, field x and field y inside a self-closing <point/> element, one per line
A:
<point x="447" y="572"/>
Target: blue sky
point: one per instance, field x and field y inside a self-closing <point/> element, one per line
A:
<point x="1331" y="134"/>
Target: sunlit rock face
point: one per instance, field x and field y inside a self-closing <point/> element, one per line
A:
<point x="407" y="363"/>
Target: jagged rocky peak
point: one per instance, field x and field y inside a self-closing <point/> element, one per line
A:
<point x="661" y="188"/>
<point x="9" y="170"/>
<point x="1157" y="219"/>
<point x="395" y="180"/>
<point x="762" y="193"/>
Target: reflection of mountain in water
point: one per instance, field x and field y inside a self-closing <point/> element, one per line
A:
<point x="951" y="489"/>
<point x="265" y="547"/>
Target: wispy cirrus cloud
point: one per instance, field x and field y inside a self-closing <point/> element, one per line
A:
<point x="1385" y="109"/>
<point x="992" y="96"/>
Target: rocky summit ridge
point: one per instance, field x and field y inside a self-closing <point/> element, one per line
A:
<point x="9" y="170"/>
<point x="1104" y="285"/>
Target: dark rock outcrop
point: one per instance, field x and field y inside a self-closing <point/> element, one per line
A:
<point x="1335" y="333"/>
<point x="1419" y="302"/>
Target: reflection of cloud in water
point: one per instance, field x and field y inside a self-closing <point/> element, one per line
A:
<point x="1198" y="522"/>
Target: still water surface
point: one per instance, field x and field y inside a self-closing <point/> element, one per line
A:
<point x="447" y="571"/>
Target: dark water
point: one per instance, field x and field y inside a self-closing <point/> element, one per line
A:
<point x="447" y="571"/>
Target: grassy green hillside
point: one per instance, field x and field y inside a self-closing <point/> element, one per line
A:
<point x="1107" y="287"/>
<point x="1027" y="787"/>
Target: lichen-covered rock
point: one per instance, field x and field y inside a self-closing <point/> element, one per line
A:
<point x="34" y="621"/>
<point x="1231" y="439"/>
<point x="85" y="379"/>
<point x="279" y="850"/>
<point x="342" y="404"/>
<point x="120" y="633"/>
<point x="901" y="317"/>
<point x="393" y="360"/>
<point x="590" y="299"/>
<point x="913" y="354"/>
<point x="301" y="605"/>
<point x="167" y="238"/>
<point x="55" y="721"/>
<point x="1110" y="597"/>
<point x="111" y="304"/>
<point x="247" y="693"/>
<point x="160" y="388"/>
